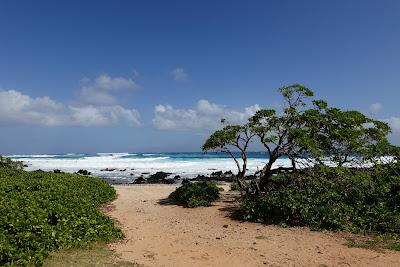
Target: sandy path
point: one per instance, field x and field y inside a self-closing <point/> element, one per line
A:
<point x="168" y="235"/>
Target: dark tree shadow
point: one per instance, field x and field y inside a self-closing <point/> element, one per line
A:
<point x="168" y="202"/>
<point x="232" y="213"/>
<point x="228" y="202"/>
<point x="230" y="205"/>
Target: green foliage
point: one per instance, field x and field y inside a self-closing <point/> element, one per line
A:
<point x="8" y="163"/>
<point x="339" y="135"/>
<point x="305" y="129"/>
<point x="42" y="212"/>
<point x="229" y="138"/>
<point x="344" y="199"/>
<point x="196" y="194"/>
<point x="235" y="186"/>
<point x="222" y="138"/>
<point x="376" y="242"/>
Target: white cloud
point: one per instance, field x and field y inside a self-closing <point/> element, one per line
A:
<point x="17" y="108"/>
<point x="205" y="115"/>
<point x="375" y="108"/>
<point x="394" y="123"/>
<point x="179" y="74"/>
<point x="102" y="89"/>
<point x="104" y="116"/>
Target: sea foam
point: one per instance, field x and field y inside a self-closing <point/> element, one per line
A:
<point x="187" y="165"/>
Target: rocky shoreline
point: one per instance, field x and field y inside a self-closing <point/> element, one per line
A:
<point x="159" y="177"/>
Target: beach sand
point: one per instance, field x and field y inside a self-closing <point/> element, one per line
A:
<point x="161" y="234"/>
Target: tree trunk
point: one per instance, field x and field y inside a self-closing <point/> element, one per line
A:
<point x="266" y="173"/>
<point x="293" y="163"/>
<point x="241" y="181"/>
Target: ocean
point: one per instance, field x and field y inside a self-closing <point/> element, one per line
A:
<point x="129" y="166"/>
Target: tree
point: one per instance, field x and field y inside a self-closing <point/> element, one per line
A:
<point x="346" y="136"/>
<point x="227" y="140"/>
<point x="280" y="133"/>
<point x="306" y="132"/>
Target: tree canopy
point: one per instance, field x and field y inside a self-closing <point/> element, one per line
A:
<point x="307" y="131"/>
<point x="228" y="139"/>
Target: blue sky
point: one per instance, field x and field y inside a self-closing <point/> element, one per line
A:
<point x="93" y="76"/>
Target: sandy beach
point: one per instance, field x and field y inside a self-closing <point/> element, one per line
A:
<point x="161" y="234"/>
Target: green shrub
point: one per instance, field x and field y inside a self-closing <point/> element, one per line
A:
<point x="42" y="212"/>
<point x="235" y="186"/>
<point x="330" y="198"/>
<point x="196" y="194"/>
<point x="9" y="163"/>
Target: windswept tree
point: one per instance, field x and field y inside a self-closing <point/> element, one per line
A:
<point x="280" y="134"/>
<point x="306" y="132"/>
<point x="231" y="139"/>
<point x="345" y="137"/>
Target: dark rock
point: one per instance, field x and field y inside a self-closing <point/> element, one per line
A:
<point x="122" y="170"/>
<point x="139" y="180"/>
<point x="161" y="175"/>
<point x="216" y="176"/>
<point x="176" y="177"/>
<point x="186" y="181"/>
<point x="158" y="178"/>
<point x="228" y="173"/>
<point x="39" y="171"/>
<point x="201" y="177"/>
<point x="218" y="173"/>
<point x="169" y="181"/>
<point x="145" y="173"/>
<point x="222" y="176"/>
<point x="83" y="172"/>
<point x="131" y="174"/>
<point x="57" y="171"/>
<point x="108" y="169"/>
<point x="25" y="165"/>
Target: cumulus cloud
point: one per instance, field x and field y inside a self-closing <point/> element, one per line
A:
<point x="17" y="108"/>
<point x="394" y="123"/>
<point x="204" y="115"/>
<point x="102" y="90"/>
<point x="103" y="116"/>
<point x="375" y="108"/>
<point x="179" y="74"/>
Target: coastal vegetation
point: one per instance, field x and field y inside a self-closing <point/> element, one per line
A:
<point x="344" y="173"/>
<point x="308" y="132"/>
<point x="43" y="212"/>
<point x="9" y="163"/>
<point x="196" y="194"/>
<point x="358" y="201"/>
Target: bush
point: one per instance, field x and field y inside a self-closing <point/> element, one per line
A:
<point x="330" y="198"/>
<point x="235" y="186"/>
<point x="42" y="212"/>
<point x="8" y="163"/>
<point x="196" y="194"/>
